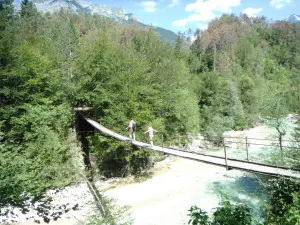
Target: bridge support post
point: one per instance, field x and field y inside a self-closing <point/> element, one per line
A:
<point x="247" y="148"/>
<point x="225" y="154"/>
<point x="86" y="149"/>
<point x="83" y="130"/>
<point x="162" y="141"/>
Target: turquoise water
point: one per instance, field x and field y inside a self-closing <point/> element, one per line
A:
<point x="247" y="190"/>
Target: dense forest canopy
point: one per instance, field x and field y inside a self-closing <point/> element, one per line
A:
<point x="236" y="71"/>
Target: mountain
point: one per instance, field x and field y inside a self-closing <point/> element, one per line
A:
<point x="116" y="13"/>
<point x="293" y="18"/>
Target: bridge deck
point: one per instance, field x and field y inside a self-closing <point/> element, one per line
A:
<point x="232" y="164"/>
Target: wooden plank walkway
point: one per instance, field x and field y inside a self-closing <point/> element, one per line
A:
<point x="232" y="164"/>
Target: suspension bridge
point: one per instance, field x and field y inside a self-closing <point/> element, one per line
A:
<point x="216" y="160"/>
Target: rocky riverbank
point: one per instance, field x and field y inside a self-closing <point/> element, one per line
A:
<point x="162" y="197"/>
<point x="175" y="185"/>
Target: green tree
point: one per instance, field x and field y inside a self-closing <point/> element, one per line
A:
<point x="284" y="201"/>
<point x="276" y="110"/>
<point x="226" y="213"/>
<point x="41" y="159"/>
<point x="236" y="107"/>
<point x="198" y="216"/>
<point x="27" y="8"/>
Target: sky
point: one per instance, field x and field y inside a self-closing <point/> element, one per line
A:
<point x="179" y="15"/>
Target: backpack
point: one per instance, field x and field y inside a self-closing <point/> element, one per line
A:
<point x="133" y="125"/>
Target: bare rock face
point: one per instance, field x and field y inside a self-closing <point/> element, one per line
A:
<point x="116" y="13"/>
<point x="293" y="18"/>
<point x="74" y="202"/>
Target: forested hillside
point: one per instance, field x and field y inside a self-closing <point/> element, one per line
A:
<point x="238" y="70"/>
<point x="248" y="67"/>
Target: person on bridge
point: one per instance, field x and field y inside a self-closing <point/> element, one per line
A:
<point x="131" y="127"/>
<point x="150" y="131"/>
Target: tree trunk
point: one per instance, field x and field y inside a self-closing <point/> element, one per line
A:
<point x="215" y="52"/>
<point x="280" y="145"/>
<point x="281" y="134"/>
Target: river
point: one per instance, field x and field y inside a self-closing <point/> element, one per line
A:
<point x="167" y="197"/>
<point x="175" y="186"/>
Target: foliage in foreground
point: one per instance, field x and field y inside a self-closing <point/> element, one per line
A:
<point x="226" y="213"/>
<point x="282" y="207"/>
<point x="284" y="201"/>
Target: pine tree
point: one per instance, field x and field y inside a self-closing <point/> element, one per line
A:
<point x="27" y="8"/>
<point x="6" y="17"/>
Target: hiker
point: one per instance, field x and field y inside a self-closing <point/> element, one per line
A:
<point x="150" y="131"/>
<point x="131" y="126"/>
